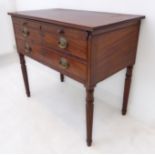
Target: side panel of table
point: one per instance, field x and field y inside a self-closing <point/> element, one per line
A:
<point x="115" y="50"/>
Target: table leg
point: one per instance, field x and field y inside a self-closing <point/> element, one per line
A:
<point x="61" y="77"/>
<point x="89" y="114"/>
<point x="127" y="89"/>
<point x="24" y="72"/>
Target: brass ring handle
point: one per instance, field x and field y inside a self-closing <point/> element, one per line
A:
<point x="25" y="32"/>
<point x="64" y="63"/>
<point x="63" y="43"/>
<point x="27" y="49"/>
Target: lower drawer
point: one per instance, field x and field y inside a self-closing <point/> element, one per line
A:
<point x="58" y="61"/>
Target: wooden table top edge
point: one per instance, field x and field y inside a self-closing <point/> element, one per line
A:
<point x="20" y="14"/>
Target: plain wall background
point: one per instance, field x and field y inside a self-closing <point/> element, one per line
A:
<point x="6" y="33"/>
<point x="142" y="98"/>
<point x="35" y="4"/>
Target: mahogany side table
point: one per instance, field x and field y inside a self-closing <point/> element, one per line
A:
<point x="83" y="45"/>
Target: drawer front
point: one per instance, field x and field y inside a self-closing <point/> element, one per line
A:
<point x="58" y="61"/>
<point x="67" y="40"/>
<point x="71" y="41"/>
<point x="25" y="33"/>
<point x="26" y="22"/>
<point x="28" y="47"/>
<point x="27" y="30"/>
<point x="64" y="63"/>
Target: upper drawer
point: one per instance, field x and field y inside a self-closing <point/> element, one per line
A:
<point x="70" y="32"/>
<point x="27" y="33"/>
<point x="68" y="40"/>
<point x="26" y="22"/>
<point x="27" y="30"/>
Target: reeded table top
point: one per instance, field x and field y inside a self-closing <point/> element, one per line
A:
<point x="86" y="20"/>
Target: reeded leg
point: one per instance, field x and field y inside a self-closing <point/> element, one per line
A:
<point x="61" y="77"/>
<point x="127" y="89"/>
<point x="89" y="114"/>
<point x="24" y="72"/>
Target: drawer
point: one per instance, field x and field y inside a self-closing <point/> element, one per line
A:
<point x="67" y="65"/>
<point x="27" y="47"/>
<point x="64" y="63"/>
<point x="70" y="32"/>
<point x="25" y="33"/>
<point x="68" y="40"/>
<point x="26" y="22"/>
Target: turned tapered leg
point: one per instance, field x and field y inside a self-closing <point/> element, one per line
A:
<point x="24" y="72"/>
<point x="61" y="77"/>
<point x="89" y="114"/>
<point x="127" y="89"/>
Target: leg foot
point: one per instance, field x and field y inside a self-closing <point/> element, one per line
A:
<point x="89" y="114"/>
<point x="124" y="112"/>
<point x="127" y="89"/>
<point x="61" y="77"/>
<point x="89" y="142"/>
<point x="24" y="73"/>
